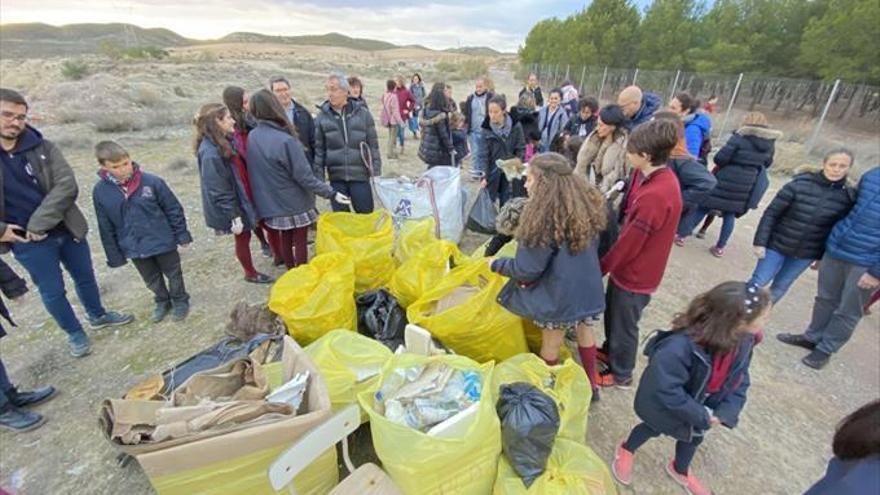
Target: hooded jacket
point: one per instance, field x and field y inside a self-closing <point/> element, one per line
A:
<point x="742" y="170"/>
<point x="146" y="221"/>
<point x="57" y="182"/>
<point x="650" y="104"/>
<point x="283" y="183"/>
<point x="798" y="221"/>
<point x="224" y="195"/>
<point x="697" y="127"/>
<point x="338" y="138"/>
<point x="551" y="123"/>
<point x="526" y="118"/>
<point x="536" y="94"/>
<point x="12" y="286"/>
<point x="602" y="161"/>
<point x="672" y="396"/>
<point x="436" y="146"/>
<point x="856" y="238"/>
<point x="577" y="126"/>
<point x="467" y="108"/>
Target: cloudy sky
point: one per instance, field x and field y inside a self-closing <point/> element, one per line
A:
<point x="501" y="24"/>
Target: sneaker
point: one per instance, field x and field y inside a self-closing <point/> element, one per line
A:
<point x="80" y="348"/>
<point x="267" y="251"/>
<point x="602" y="356"/>
<point x="716" y="251"/>
<point x="180" y="312"/>
<point x="796" y="339"/>
<point x="32" y="398"/>
<point x="110" y="319"/>
<point x="160" y="312"/>
<point x="701" y="234"/>
<point x="679" y="241"/>
<point x="608" y="380"/>
<point x="259" y="278"/>
<point x="622" y="465"/>
<point x="690" y="483"/>
<point x="816" y="359"/>
<point x="20" y="420"/>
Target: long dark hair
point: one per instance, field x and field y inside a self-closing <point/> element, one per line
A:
<point x="233" y="98"/>
<point x="206" y="124"/>
<point x="715" y="319"/>
<point x="858" y="436"/>
<point x="437" y="97"/>
<point x="264" y="106"/>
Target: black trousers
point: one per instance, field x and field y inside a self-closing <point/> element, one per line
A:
<point x="156" y="269"/>
<point x="684" y="451"/>
<point x="360" y="193"/>
<point x="623" y="310"/>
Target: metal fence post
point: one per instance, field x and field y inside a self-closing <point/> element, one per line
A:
<point x="583" y="73"/>
<point x="602" y="87"/>
<point x="818" y="128"/>
<point x="567" y="68"/>
<point x="674" y="85"/>
<point x="730" y="106"/>
<point x="635" y="76"/>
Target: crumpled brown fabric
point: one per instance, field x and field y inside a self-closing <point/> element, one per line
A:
<point x="247" y="320"/>
<point x="242" y="379"/>
<point x="178" y="424"/>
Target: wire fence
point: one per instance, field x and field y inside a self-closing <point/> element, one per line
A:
<point x="818" y="115"/>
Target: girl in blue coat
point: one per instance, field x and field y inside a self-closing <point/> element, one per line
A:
<point x="697" y="377"/>
<point x="555" y="278"/>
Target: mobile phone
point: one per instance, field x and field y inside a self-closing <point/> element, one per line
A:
<point x="20" y="232"/>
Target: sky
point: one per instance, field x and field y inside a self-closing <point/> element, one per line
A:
<point x="500" y="24"/>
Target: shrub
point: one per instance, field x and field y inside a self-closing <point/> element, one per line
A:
<point x="180" y="163"/>
<point x="74" y="69"/>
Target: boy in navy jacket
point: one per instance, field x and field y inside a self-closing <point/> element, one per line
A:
<point x="139" y="218"/>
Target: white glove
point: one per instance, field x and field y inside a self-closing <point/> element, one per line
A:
<point x="760" y="252"/>
<point x="342" y="199"/>
<point x="237" y="226"/>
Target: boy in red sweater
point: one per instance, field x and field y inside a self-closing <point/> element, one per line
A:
<point x="636" y="262"/>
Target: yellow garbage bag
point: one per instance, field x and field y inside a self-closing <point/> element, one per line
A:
<point x="507" y="251"/>
<point x="423" y="270"/>
<point x="534" y="338"/>
<point x="350" y="363"/>
<point x="421" y="464"/>
<point x="315" y="298"/>
<point x="461" y="311"/>
<point x="367" y="238"/>
<point x="567" y="384"/>
<point x="572" y="469"/>
<point x="412" y="236"/>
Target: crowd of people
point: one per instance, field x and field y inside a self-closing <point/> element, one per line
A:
<point x="608" y="192"/>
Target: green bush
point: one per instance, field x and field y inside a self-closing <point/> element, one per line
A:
<point x="116" y="52"/>
<point x="74" y="69"/>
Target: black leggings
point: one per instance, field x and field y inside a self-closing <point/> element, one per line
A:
<point x="684" y="451"/>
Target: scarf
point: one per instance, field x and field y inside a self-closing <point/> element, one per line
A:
<point x="128" y="187"/>
<point x="721" y="364"/>
<point x="503" y="130"/>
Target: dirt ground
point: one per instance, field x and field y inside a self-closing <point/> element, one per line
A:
<point x="780" y="447"/>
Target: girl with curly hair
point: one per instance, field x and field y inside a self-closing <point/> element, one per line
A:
<point x="555" y="279"/>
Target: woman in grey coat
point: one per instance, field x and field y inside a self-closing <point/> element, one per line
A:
<point x="284" y="184"/>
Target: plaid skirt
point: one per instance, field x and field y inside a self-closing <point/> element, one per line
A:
<point x="293" y="222"/>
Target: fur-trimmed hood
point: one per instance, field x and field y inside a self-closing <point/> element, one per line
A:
<point x="760" y="131"/>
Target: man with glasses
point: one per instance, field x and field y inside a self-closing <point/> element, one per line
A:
<point x="42" y="226"/>
<point x="296" y="114"/>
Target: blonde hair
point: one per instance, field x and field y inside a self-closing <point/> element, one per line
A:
<point x="755" y="118"/>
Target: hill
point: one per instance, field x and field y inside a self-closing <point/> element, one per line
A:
<point x="37" y="40"/>
<point x="34" y="40"/>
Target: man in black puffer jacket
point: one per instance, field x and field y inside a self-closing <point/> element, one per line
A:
<point x="796" y="225"/>
<point x="344" y="131"/>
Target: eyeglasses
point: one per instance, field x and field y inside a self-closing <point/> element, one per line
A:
<point x="20" y="117"/>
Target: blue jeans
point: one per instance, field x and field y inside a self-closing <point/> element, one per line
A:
<point x="360" y="193"/>
<point x="400" y="134"/>
<point x="779" y="269"/>
<point x="43" y="261"/>
<point x="475" y="141"/>
<point x="694" y="217"/>
<point x="414" y="124"/>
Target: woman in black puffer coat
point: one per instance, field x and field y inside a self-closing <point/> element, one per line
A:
<point x="795" y="226"/>
<point x="742" y="179"/>
<point x="436" y="147"/>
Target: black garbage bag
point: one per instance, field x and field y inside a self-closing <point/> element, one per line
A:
<point x="529" y="424"/>
<point x="481" y="219"/>
<point x="380" y="317"/>
<point x="609" y="236"/>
